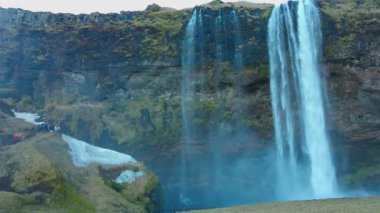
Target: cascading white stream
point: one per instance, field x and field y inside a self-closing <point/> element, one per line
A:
<point x="188" y="61"/>
<point x="187" y="93"/>
<point x="304" y="159"/>
<point x="238" y="61"/>
<point x="219" y="36"/>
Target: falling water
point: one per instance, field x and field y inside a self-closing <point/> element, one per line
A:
<point x="219" y="37"/>
<point x="201" y="38"/>
<point x="238" y="57"/>
<point x="208" y="176"/>
<point x="294" y="49"/>
<point x="317" y="142"/>
<point x="281" y="103"/>
<point x="237" y="61"/>
<point x="215" y="167"/>
<point x="187" y="95"/>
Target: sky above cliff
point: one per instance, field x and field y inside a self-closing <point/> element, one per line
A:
<point x="105" y="6"/>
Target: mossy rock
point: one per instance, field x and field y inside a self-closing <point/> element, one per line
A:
<point x="37" y="175"/>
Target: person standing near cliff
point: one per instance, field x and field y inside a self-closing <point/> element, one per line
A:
<point x="16" y="138"/>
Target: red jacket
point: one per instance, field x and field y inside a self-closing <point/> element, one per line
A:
<point x="16" y="137"/>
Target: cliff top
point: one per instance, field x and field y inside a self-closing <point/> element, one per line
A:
<point x="242" y="4"/>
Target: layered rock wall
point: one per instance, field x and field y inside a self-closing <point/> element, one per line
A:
<point x="95" y="74"/>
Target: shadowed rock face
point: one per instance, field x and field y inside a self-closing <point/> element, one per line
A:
<point x="94" y="74"/>
<point x="124" y="64"/>
<point x="351" y="58"/>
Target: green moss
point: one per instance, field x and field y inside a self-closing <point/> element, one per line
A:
<point x="346" y="39"/>
<point x="159" y="30"/>
<point x="25" y="104"/>
<point x="253" y="123"/>
<point x="127" y="128"/>
<point x="227" y="115"/>
<point x="146" y="199"/>
<point x="79" y="118"/>
<point x="347" y="16"/>
<point x="263" y="71"/>
<point x="13" y="202"/>
<point x="115" y="186"/>
<point x="65" y="196"/>
<point x="257" y="72"/>
<point x="203" y="112"/>
<point x="36" y="173"/>
<point x="267" y="13"/>
<point x="362" y="176"/>
<point x="207" y="105"/>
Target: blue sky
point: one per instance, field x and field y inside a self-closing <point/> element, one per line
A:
<point x="104" y="6"/>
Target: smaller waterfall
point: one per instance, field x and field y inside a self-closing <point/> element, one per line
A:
<point x="211" y="91"/>
<point x="238" y="57"/>
<point x="237" y="62"/>
<point x="187" y="95"/>
<point x="188" y="66"/>
<point x="216" y="175"/>
<point x="219" y="38"/>
<point x="201" y="38"/>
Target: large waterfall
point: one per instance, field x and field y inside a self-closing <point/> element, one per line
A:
<point x="304" y="160"/>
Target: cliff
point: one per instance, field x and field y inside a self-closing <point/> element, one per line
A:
<point x="87" y="74"/>
<point x="351" y="54"/>
<point x="115" y="78"/>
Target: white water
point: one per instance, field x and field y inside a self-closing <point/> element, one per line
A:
<point x="187" y="88"/>
<point x="84" y="154"/>
<point x="187" y="95"/>
<point x="238" y="63"/>
<point x="27" y="117"/>
<point x="238" y="40"/>
<point x="128" y="176"/>
<point x="304" y="159"/>
<point x="323" y="179"/>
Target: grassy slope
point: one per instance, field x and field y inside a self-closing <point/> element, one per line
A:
<point x="326" y="206"/>
<point x="37" y="174"/>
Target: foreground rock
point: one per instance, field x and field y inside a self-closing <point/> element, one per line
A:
<point x="38" y="174"/>
<point x="331" y="205"/>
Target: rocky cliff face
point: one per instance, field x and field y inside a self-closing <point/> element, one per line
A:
<point x="351" y="54"/>
<point x="98" y="73"/>
<point x="116" y="77"/>
<point x="352" y="50"/>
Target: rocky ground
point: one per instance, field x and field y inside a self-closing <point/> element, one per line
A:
<point x="38" y="175"/>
